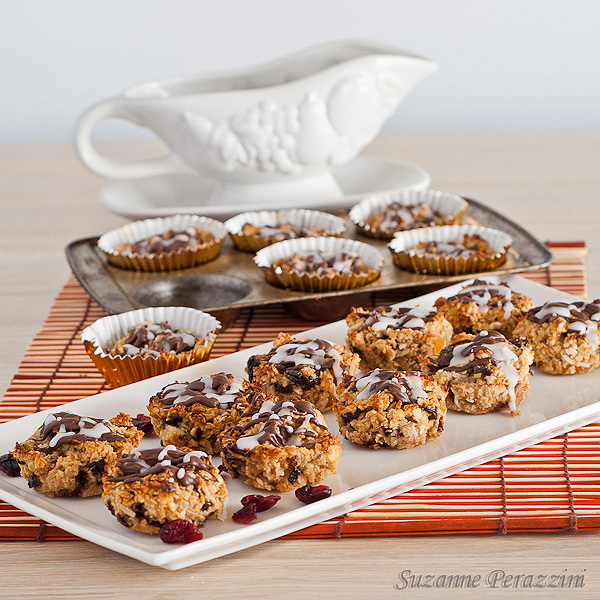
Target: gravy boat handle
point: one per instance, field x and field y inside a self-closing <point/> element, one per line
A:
<point x="169" y="163"/>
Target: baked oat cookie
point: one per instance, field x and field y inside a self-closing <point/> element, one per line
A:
<point x="483" y="372"/>
<point x="397" y="216"/>
<point x="483" y="305"/>
<point x="281" y="445"/>
<point x="154" y="339"/>
<point x="396" y="338"/>
<point x="148" y="488"/>
<point x="281" y="231"/>
<point x="163" y="244"/>
<point x="67" y="455"/>
<point x="251" y="231"/>
<point x="194" y="414"/>
<point x="391" y="409"/>
<point x="169" y="242"/>
<point x="307" y="369"/>
<point x="469" y="246"/>
<point x="564" y="336"/>
<point x="323" y="264"/>
<point x="320" y="264"/>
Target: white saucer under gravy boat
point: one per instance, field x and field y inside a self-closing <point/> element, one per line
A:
<point x="265" y="133"/>
<point x="164" y="195"/>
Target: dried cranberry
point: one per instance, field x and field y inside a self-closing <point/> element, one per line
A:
<point x="179" y="531"/>
<point x="222" y="468"/>
<point x="246" y="514"/>
<point x="262" y="502"/>
<point x="312" y="493"/>
<point x="143" y="423"/>
<point x="9" y="465"/>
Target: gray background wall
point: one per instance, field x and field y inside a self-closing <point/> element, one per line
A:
<point x="511" y="65"/>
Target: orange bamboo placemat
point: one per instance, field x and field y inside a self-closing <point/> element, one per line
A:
<point x="551" y="486"/>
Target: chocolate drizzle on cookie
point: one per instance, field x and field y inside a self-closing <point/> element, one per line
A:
<point x="171" y="241"/>
<point x="405" y="387"/>
<point x="477" y="355"/>
<point x="470" y="246"/>
<point x="283" y="423"/>
<point x="487" y="295"/>
<point x="481" y="354"/>
<point x="213" y="391"/>
<point x="384" y="317"/>
<point x="281" y="231"/>
<point x="289" y="359"/>
<point x="321" y="263"/>
<point x="63" y="427"/>
<point x="182" y="465"/>
<point x="583" y="317"/>
<point x="397" y="217"/>
<point x="151" y="339"/>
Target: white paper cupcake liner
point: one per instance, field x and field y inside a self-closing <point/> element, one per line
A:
<point x="405" y="257"/>
<point x="451" y="206"/>
<point x="312" y="282"/>
<point x="183" y="258"/>
<point x="309" y="219"/>
<point x="101" y="335"/>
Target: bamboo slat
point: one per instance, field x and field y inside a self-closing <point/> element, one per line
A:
<point x="551" y="486"/>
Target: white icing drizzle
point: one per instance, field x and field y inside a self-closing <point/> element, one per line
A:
<point x="225" y="400"/>
<point x="501" y="353"/>
<point x="96" y="431"/>
<point x="322" y="262"/>
<point x="587" y="327"/>
<point x="413" y="319"/>
<point x="304" y="427"/>
<point x="197" y="453"/>
<point x="416" y="386"/>
<point x="482" y="293"/>
<point x="551" y="309"/>
<point x="137" y="455"/>
<point x="411" y="383"/>
<point x="308" y="353"/>
<point x="401" y="215"/>
<point x="283" y="415"/>
<point x="164" y="461"/>
<point x="163" y="453"/>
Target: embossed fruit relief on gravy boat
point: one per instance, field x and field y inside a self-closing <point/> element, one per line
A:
<point x="259" y="130"/>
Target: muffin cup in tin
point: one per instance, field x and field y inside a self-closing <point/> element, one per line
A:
<point x="405" y="257"/>
<point x="312" y="282"/>
<point x="170" y="261"/>
<point x="117" y="370"/>
<point x="308" y="219"/>
<point x="451" y="206"/>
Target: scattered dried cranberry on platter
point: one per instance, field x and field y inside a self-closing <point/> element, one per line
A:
<point x="179" y="531"/>
<point x="262" y="502"/>
<point x="313" y="493"/>
<point x="246" y="514"/>
<point x="143" y="423"/>
<point x="9" y="465"/>
<point x="252" y="504"/>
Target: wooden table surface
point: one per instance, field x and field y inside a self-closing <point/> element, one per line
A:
<point x="549" y="182"/>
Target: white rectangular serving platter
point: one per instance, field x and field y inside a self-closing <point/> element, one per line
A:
<point x="556" y="404"/>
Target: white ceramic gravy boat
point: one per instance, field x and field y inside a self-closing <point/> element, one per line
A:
<point x="286" y="121"/>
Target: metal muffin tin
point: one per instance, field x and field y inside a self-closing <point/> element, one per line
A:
<point x="232" y="281"/>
